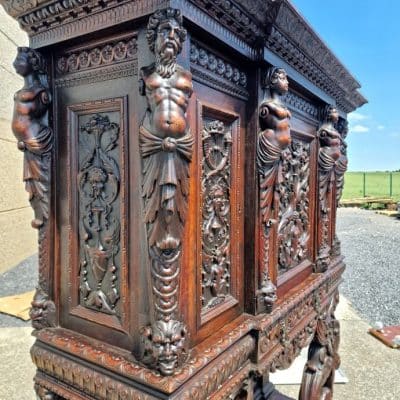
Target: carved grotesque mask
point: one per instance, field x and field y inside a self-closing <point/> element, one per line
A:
<point x="164" y="345"/>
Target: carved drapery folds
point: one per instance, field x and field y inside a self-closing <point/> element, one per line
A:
<point x="293" y="227"/>
<point x="166" y="148"/>
<point x="35" y="138"/>
<point x="328" y="159"/>
<point x="323" y="358"/>
<point x="216" y="183"/>
<point x="341" y="167"/>
<point x="99" y="227"/>
<point x="273" y="139"/>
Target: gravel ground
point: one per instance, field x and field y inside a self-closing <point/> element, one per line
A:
<point x="371" y="245"/>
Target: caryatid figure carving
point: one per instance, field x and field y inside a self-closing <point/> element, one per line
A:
<point x="35" y="139"/>
<point x="273" y="139"/>
<point x="329" y="154"/>
<point x="166" y="147"/>
<point x="29" y="125"/>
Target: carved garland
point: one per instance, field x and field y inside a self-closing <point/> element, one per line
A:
<point x="93" y="57"/>
<point x="217" y="72"/>
<point x="216" y="184"/>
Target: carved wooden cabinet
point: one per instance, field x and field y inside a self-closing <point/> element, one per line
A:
<point x="184" y="160"/>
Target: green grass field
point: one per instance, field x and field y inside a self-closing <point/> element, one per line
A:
<point x="376" y="184"/>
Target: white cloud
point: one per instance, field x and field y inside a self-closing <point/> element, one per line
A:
<point x="357" y="117"/>
<point x="381" y="127"/>
<point x="359" y="128"/>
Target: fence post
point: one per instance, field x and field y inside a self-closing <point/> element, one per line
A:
<point x="390" y="184"/>
<point x="363" y="184"/>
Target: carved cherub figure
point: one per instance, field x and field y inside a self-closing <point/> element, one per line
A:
<point x="29" y="126"/>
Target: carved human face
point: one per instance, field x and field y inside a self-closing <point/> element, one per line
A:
<point x="168" y="43"/>
<point x="333" y="115"/>
<point x="280" y="82"/>
<point x="21" y="64"/>
<point x="167" y="344"/>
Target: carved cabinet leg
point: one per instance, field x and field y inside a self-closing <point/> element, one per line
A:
<point x="323" y="358"/>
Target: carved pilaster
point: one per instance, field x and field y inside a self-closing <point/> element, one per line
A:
<point x="329" y="153"/>
<point x="166" y="148"/>
<point x="35" y="138"/>
<point x="273" y="139"/>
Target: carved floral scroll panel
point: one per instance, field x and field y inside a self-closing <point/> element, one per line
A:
<point x="98" y="271"/>
<point x="219" y="257"/>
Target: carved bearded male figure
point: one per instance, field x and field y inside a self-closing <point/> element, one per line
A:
<point x="166" y="147"/>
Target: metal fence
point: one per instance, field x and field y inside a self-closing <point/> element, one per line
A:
<point x="375" y="184"/>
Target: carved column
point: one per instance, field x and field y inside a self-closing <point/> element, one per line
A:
<point x="166" y="148"/>
<point x="329" y="153"/>
<point x="273" y="139"/>
<point x="323" y="357"/>
<point x="30" y="125"/>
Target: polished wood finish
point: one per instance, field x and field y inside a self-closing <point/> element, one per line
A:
<point x="185" y="188"/>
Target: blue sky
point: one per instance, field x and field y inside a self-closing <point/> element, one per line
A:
<point x="365" y="36"/>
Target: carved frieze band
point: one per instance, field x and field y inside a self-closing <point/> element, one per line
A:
<point x="118" y="50"/>
<point x="297" y="103"/>
<point x="116" y="58"/>
<point x="81" y="378"/>
<point x="211" y="69"/>
<point x="99" y="222"/>
<point x="216" y="216"/>
<point x="30" y="125"/>
<point x="293" y="226"/>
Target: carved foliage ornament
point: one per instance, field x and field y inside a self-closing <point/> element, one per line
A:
<point x="35" y="139"/>
<point x="216" y="183"/>
<point x="166" y="148"/>
<point x="99" y="225"/>
<point x="293" y="226"/>
<point x="273" y="139"/>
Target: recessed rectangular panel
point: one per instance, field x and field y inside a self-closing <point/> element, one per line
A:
<point x="98" y="268"/>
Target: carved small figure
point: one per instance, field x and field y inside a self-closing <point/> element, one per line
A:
<point x="329" y="153"/>
<point x="166" y="147"/>
<point x="273" y="139"/>
<point x="30" y="127"/>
